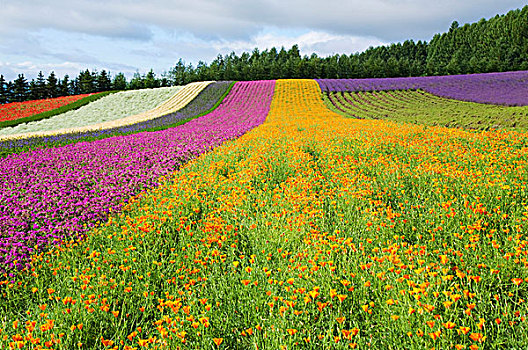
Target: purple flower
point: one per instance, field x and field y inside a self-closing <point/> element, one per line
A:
<point x="509" y="88"/>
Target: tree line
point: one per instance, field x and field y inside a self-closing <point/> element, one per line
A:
<point x="20" y="89"/>
<point x="494" y="45"/>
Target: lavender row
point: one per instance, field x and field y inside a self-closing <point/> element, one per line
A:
<point x="202" y="103"/>
<point x="509" y="88"/>
<point x="55" y="193"/>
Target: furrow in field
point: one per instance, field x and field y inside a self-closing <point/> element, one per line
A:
<point x="424" y="108"/>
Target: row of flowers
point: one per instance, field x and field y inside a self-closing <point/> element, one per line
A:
<point x="17" y="110"/>
<point x="508" y="88"/>
<point x="112" y="107"/>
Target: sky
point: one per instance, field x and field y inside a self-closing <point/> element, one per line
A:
<point x="128" y="36"/>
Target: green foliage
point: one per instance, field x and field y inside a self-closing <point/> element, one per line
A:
<point x="497" y="44"/>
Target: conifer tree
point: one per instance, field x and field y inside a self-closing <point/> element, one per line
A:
<point x="20" y="89"/>
<point x="3" y="90"/>
<point x="52" y="88"/>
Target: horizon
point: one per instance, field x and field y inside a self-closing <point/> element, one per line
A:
<point x="69" y="38"/>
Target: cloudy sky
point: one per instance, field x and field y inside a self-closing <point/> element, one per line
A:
<point x="132" y="35"/>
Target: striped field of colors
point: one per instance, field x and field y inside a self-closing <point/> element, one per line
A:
<point x="286" y="217"/>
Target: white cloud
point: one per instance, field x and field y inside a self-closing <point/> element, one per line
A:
<point x="239" y="20"/>
<point x="319" y="42"/>
<point x="130" y="35"/>
<point x="30" y="69"/>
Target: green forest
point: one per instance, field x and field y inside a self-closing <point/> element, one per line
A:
<point x="497" y="44"/>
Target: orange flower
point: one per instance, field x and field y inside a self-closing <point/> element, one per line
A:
<point x="313" y="294"/>
<point x="465" y="330"/>
<point x="449" y="325"/>
<point x="142" y="342"/>
<point x="131" y="335"/>
<point x="435" y="335"/>
<point x="291" y="331"/>
<point x="517" y="281"/>
<point x="364" y="307"/>
<point x="245" y="282"/>
<point x="476" y="278"/>
<point x="218" y="341"/>
<point x="107" y="342"/>
<point x="478" y="337"/>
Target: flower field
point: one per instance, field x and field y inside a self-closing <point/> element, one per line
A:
<point x="508" y="88"/>
<point x="111" y="107"/>
<point x="17" y="110"/>
<point x="424" y="108"/>
<point x="298" y="229"/>
<point x="204" y="101"/>
<point x="78" y="185"/>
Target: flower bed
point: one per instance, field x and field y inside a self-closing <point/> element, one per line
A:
<point x="111" y="107"/>
<point x="17" y="110"/>
<point x="509" y="88"/>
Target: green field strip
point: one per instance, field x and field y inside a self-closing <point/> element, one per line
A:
<point x="365" y="112"/>
<point x="421" y="107"/>
<point x="342" y="105"/>
<point x="393" y="100"/>
<point x="380" y="99"/>
<point x="360" y="102"/>
<point x="372" y="102"/>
